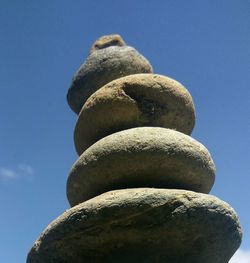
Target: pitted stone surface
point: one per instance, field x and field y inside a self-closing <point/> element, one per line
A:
<point x="141" y="157"/>
<point x="134" y="101"/>
<point x="142" y="225"/>
<point x="101" y="67"/>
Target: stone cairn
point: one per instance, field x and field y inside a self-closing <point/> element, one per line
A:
<point x="139" y="190"/>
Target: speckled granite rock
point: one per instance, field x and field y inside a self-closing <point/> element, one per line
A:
<point x="141" y="157"/>
<point x="142" y="225"/>
<point x="134" y="101"/>
<point x="102" y="66"/>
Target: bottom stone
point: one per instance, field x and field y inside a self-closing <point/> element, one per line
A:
<point x="142" y="225"/>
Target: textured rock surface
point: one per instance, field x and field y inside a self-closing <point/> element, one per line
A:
<point x="142" y="225"/>
<point x="107" y="41"/>
<point x="134" y="101"/>
<point x="101" y="67"/>
<point x="141" y="157"/>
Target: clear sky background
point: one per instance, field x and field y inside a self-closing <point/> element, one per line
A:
<point x="203" y="44"/>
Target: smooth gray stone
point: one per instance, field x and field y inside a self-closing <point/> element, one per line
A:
<point x="141" y="157"/>
<point x="142" y="225"/>
<point x="134" y="101"/>
<point x="101" y="67"/>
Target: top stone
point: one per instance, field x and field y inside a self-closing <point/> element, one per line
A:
<point x="107" y="41"/>
<point x="109" y="59"/>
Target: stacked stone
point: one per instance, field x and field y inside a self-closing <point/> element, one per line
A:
<point x="139" y="190"/>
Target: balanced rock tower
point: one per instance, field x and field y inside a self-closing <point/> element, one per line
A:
<point x="139" y="190"/>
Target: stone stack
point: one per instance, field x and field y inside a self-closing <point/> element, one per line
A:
<point x="139" y="190"/>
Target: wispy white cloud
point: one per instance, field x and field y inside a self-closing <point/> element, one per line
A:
<point x="22" y="171"/>
<point x="241" y="256"/>
<point x="7" y="173"/>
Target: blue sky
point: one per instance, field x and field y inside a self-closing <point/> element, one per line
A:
<point x="203" y="44"/>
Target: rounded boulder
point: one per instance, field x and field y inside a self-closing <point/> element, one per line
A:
<point x="134" y="101"/>
<point x="141" y="157"/>
<point x="142" y="225"/>
<point x="102" y="66"/>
